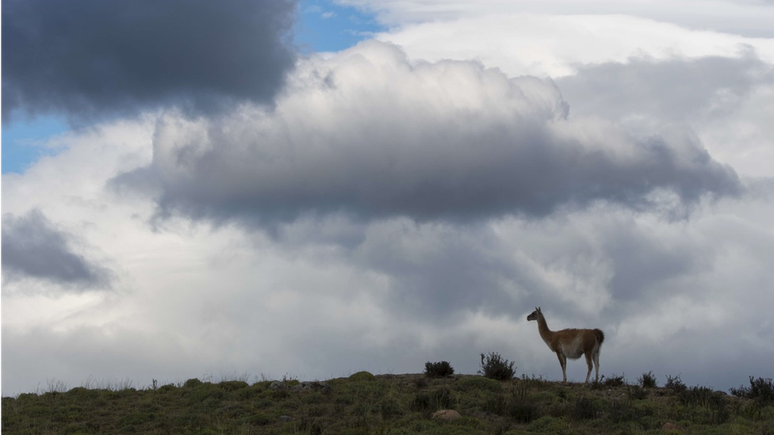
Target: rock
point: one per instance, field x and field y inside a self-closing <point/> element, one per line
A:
<point x="671" y="427"/>
<point x="446" y="414"/>
<point x="285" y="418"/>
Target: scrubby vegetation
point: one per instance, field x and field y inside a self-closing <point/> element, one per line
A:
<point x="494" y="366"/>
<point x="438" y="369"/>
<point x="395" y="404"/>
<point x="675" y="383"/>
<point x="648" y="380"/>
<point x="762" y="390"/>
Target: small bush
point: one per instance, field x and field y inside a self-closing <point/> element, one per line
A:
<point x="614" y="381"/>
<point x="647" y="380"/>
<point x="675" y="384"/>
<point x="192" y="383"/>
<point x="494" y="366"/>
<point x="761" y="390"/>
<point x="438" y="369"/>
<point x="362" y="376"/>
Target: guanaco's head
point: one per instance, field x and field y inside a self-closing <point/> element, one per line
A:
<point x="535" y="314"/>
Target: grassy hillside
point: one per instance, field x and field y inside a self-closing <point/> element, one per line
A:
<point x="395" y="404"/>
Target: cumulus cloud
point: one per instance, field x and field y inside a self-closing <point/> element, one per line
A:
<point x="92" y="58"/>
<point x="668" y="91"/>
<point x="33" y="247"/>
<point x="723" y="100"/>
<point x="372" y="134"/>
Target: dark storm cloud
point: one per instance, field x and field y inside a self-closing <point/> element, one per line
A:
<point x="93" y="58"/>
<point x="674" y="90"/>
<point x="34" y="248"/>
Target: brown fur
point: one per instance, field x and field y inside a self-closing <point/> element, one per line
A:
<point x="571" y="343"/>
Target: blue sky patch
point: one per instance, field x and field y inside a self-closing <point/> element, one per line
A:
<point x="324" y="26"/>
<point x="24" y="141"/>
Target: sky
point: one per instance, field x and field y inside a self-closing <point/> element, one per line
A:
<point x="310" y="189"/>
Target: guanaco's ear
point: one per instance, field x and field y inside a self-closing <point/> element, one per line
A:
<point x="538" y="310"/>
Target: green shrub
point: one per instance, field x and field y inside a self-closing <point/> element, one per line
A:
<point x="614" y="381"/>
<point x="675" y="384"/>
<point x="440" y="369"/>
<point x="760" y="389"/>
<point x="493" y="366"/>
<point x="647" y="380"/>
<point x="192" y="383"/>
<point x="362" y="376"/>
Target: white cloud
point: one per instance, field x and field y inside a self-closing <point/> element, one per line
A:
<point x="747" y="18"/>
<point x="553" y="45"/>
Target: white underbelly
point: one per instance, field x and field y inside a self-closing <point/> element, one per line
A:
<point x="573" y="349"/>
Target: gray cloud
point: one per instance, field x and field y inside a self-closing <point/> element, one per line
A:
<point x="94" y="58"/>
<point x="675" y="90"/>
<point x="449" y="140"/>
<point x="33" y="247"/>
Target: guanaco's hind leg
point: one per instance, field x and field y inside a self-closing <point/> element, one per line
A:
<point x="596" y="362"/>
<point x="563" y="362"/>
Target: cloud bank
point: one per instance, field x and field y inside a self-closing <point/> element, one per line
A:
<point x="445" y="140"/>
<point x="91" y="59"/>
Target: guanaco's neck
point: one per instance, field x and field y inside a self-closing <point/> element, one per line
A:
<point x="545" y="333"/>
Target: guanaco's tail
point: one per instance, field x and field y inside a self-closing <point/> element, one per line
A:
<point x="600" y="335"/>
